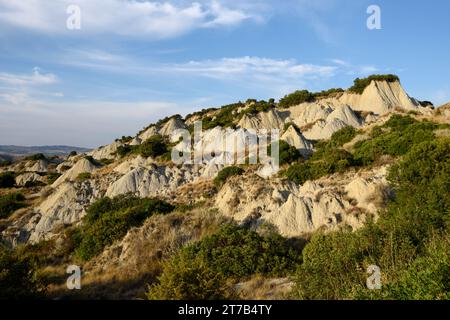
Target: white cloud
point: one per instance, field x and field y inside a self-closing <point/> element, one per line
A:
<point x="252" y="67"/>
<point x="35" y="78"/>
<point x="150" y="19"/>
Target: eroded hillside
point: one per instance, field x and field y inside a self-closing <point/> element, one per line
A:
<point x="130" y="217"/>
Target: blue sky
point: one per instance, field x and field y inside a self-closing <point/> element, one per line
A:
<point x="133" y="62"/>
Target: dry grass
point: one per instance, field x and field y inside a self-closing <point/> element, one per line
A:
<point x="262" y="288"/>
<point x="124" y="269"/>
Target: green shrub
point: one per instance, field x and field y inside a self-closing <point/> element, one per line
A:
<point x="287" y="153"/>
<point x="125" y="150"/>
<point x="225" y="173"/>
<point x="184" y="278"/>
<point x="200" y="270"/>
<point x="84" y="176"/>
<point x="409" y="242"/>
<point x="36" y="157"/>
<point x="360" y="84"/>
<point x="396" y="137"/>
<point x="52" y="177"/>
<point x="296" y="98"/>
<point x="11" y="202"/>
<point x="153" y="147"/>
<point x="108" y="220"/>
<point x="5" y="163"/>
<point x="257" y="107"/>
<point x="335" y="160"/>
<point x="7" y="180"/>
<point x="19" y="278"/>
<point x="327" y="93"/>
<point x="238" y="252"/>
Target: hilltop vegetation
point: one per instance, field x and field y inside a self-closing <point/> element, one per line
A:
<point x="360" y="84"/>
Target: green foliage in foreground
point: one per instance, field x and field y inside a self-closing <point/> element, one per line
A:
<point x="226" y="173"/>
<point x="11" y="202"/>
<point x="19" y="278"/>
<point x="410" y="241"/>
<point x="108" y="220"/>
<point x="199" y="270"/>
<point x="360" y="84"/>
<point x="7" y="180"/>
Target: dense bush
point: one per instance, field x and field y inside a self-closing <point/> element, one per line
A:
<point x="394" y="138"/>
<point x="36" y="157"/>
<point x="7" y="180"/>
<point x="225" y="173"/>
<point x="360" y="84"/>
<point x="232" y="253"/>
<point x="153" y="147"/>
<point x="5" y="163"/>
<point x="11" y="202"/>
<point x="257" y="107"/>
<point x="326" y="93"/>
<point x="287" y="153"/>
<point x="108" y="220"/>
<point x="189" y="279"/>
<point x="336" y="160"/>
<point x="224" y="118"/>
<point x="296" y="98"/>
<point x="409" y="242"/>
<point x="19" y="278"/>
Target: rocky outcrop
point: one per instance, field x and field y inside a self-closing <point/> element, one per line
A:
<point x="106" y="152"/>
<point x="296" y="211"/>
<point x="65" y="206"/>
<point x="82" y="166"/>
<point x="297" y="140"/>
<point x="381" y="97"/>
<point x="152" y="181"/>
<point x="263" y="120"/>
<point x="27" y="178"/>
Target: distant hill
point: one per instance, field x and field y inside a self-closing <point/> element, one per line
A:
<point x="19" y="151"/>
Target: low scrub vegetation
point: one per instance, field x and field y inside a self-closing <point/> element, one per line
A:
<point x="108" y="220"/>
<point x="395" y="138"/>
<point x="201" y="270"/>
<point x="360" y="84"/>
<point x="11" y="202"/>
<point x="7" y="180"/>
<point x="84" y="176"/>
<point x="226" y="173"/>
<point x="154" y="146"/>
<point x="19" y="276"/>
<point x="410" y="241"/>
<point x="36" y="157"/>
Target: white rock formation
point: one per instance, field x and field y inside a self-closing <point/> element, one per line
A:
<point x="297" y="140"/>
<point x="83" y="165"/>
<point x="28" y="177"/>
<point x="36" y="166"/>
<point x="66" y="205"/>
<point x="323" y="129"/>
<point x="263" y="120"/>
<point x="106" y="152"/>
<point x="380" y="97"/>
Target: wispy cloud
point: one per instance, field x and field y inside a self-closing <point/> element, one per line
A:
<point x="149" y="19"/>
<point x="33" y="79"/>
